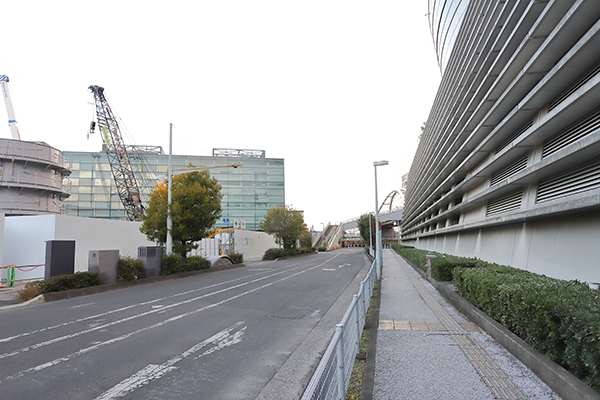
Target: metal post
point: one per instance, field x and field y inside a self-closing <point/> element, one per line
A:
<point x="169" y="185"/>
<point x="379" y="255"/>
<point x="341" y="376"/>
<point x="10" y="279"/>
<point x="358" y="316"/>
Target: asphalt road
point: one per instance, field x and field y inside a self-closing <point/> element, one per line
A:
<point x="246" y="333"/>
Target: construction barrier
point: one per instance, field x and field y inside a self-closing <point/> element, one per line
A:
<point x="10" y="277"/>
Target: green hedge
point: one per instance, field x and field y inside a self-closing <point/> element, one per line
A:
<point x="272" y="254"/>
<point x="442" y="266"/>
<point x="77" y="280"/>
<point x="559" y="318"/>
<point x="130" y="269"/>
<point x="175" y="264"/>
<point x="237" y="258"/>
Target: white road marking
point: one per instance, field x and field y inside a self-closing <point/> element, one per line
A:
<point x="328" y="269"/>
<point x="83" y="305"/>
<point x="152" y="372"/>
<point x="147" y="328"/>
<point x="9" y="338"/>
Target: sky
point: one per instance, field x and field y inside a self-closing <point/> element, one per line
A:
<point x="329" y="86"/>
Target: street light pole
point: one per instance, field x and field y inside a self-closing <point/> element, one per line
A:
<point x="169" y="185"/>
<point x="378" y="255"/>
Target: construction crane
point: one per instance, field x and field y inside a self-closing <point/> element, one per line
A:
<point x="122" y="172"/>
<point x="12" y="122"/>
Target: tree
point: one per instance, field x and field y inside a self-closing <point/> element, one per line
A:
<point x="285" y="223"/>
<point x="363" y="227"/>
<point x="195" y="207"/>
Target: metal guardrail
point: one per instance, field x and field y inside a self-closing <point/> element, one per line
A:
<point x="332" y="376"/>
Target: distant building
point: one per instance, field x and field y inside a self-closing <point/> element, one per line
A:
<point x="248" y="191"/>
<point x="31" y="178"/>
<point x="508" y="166"/>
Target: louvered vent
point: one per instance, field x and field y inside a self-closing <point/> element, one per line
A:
<point x="512" y="169"/>
<point x="504" y="204"/>
<point x="572" y="134"/>
<point x="577" y="181"/>
<point x="576" y="86"/>
<point x="513" y="137"/>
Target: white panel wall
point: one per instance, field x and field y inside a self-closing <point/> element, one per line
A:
<point x="25" y="239"/>
<point x="562" y="247"/>
<point x="253" y="244"/>
<point x="2" y="271"/>
<point x="25" y="243"/>
<point x="99" y="234"/>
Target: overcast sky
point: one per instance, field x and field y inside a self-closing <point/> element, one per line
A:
<point x="329" y="86"/>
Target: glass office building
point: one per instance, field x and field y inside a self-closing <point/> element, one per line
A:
<point x="249" y="191"/>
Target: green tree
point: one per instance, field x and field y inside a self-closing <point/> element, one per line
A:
<point x="285" y="223"/>
<point x="195" y="207"/>
<point x="363" y="227"/>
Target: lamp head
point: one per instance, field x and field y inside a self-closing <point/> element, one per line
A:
<point x="380" y="163"/>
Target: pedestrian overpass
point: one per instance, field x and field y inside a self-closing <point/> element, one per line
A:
<point x="335" y="236"/>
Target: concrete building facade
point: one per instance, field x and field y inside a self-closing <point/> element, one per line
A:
<point x="508" y="166"/>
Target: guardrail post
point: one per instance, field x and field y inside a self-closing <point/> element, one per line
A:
<point x="428" y="258"/>
<point x="358" y="315"/>
<point x="10" y="279"/>
<point x="341" y="375"/>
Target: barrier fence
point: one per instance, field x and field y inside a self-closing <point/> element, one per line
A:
<point x="10" y="277"/>
<point x="332" y="376"/>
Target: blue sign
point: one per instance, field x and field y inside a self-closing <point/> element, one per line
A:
<point x="226" y="220"/>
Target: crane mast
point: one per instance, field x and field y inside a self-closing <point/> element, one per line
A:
<point x="125" y="181"/>
<point x="12" y="122"/>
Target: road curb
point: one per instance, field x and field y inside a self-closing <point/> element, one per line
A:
<point x="69" y="294"/>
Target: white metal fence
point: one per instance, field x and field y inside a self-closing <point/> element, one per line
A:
<point x="332" y="376"/>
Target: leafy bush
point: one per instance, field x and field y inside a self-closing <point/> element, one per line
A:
<point x="130" y="269"/>
<point x="196" y="263"/>
<point x="237" y="258"/>
<point x="172" y="264"/>
<point x="77" y="280"/>
<point x="272" y="254"/>
<point x="559" y="318"/>
<point x="442" y="266"/>
<point x="175" y="264"/>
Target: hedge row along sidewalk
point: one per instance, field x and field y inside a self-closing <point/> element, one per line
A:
<point x="559" y="318"/>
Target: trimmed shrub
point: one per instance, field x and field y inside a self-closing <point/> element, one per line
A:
<point x="196" y="263"/>
<point x="130" y="269"/>
<point x="77" y="280"/>
<point x="172" y="264"/>
<point x="272" y="254"/>
<point x="237" y="258"/>
<point x="176" y="264"/>
<point x="558" y="318"/>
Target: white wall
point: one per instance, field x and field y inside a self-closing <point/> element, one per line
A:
<point x="2" y="271"/>
<point x="253" y="244"/>
<point x="561" y="247"/>
<point x="26" y="236"/>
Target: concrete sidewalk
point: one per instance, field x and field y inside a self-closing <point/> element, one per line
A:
<point x="426" y="349"/>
